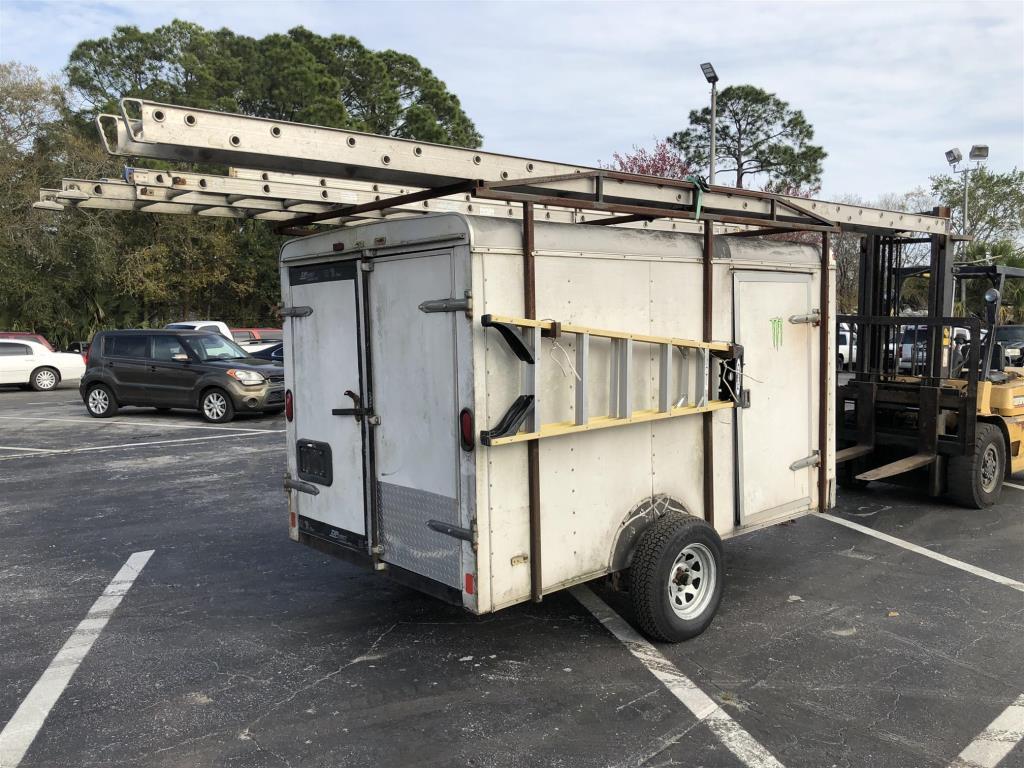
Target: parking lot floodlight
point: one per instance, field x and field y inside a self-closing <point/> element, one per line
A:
<point x="954" y="156"/>
<point x="979" y="152"/>
<point x="709" y="72"/>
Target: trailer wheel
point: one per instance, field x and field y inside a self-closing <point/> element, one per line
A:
<point x="976" y="480"/>
<point x="676" y="578"/>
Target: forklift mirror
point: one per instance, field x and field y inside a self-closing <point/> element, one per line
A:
<point x="991" y="304"/>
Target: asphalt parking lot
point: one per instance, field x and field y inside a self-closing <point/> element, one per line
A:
<point x="229" y="645"/>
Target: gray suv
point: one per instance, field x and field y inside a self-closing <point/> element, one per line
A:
<point x="178" y="369"/>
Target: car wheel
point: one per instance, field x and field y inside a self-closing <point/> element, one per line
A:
<point x="216" y="407"/>
<point x="676" y="578"/>
<point x="976" y="480"/>
<point x="45" y="379"/>
<point x="100" y="402"/>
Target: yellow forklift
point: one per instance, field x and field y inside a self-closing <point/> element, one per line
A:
<point x="937" y="411"/>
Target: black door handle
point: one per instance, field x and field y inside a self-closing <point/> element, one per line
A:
<point x="357" y="411"/>
<point x="152" y="369"/>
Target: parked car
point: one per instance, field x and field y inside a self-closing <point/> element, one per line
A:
<point x="178" y="369"/>
<point x="28" y="363"/>
<point x="211" y="326"/>
<point x="79" y="348"/>
<point x="246" y="336"/>
<point x="846" y="348"/>
<point x="274" y="353"/>
<point x="36" y="337"/>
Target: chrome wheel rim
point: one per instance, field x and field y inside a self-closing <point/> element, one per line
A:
<point x="691" y="581"/>
<point x="46" y="379"/>
<point x="989" y="468"/>
<point x="214" y="406"/>
<point x="98" y="401"/>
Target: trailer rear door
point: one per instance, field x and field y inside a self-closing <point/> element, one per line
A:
<point x="416" y="443"/>
<point x="775" y="431"/>
<point x="325" y="364"/>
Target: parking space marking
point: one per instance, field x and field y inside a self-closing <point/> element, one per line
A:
<point x="56" y="451"/>
<point x="998" y="578"/>
<point x="703" y="707"/>
<point x="1014" y="485"/>
<point x="23" y="448"/>
<point x="132" y="423"/>
<point x="996" y="741"/>
<point x="19" y="733"/>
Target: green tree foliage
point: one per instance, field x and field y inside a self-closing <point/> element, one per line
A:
<point x="756" y="133"/>
<point x="299" y="76"/>
<point x="995" y="205"/>
<point x="71" y="273"/>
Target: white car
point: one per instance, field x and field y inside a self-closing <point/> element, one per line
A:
<point x="29" y="363"/>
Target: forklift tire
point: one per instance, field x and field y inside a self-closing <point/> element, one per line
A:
<point x="676" y="578"/>
<point x="976" y="480"/>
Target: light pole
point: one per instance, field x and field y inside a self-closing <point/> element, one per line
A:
<point x="978" y="153"/>
<point x="712" y="77"/>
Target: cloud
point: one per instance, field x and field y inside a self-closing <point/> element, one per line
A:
<point x="888" y="86"/>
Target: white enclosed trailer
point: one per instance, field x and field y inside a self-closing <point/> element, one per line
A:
<point x="390" y="367"/>
<point x="574" y="373"/>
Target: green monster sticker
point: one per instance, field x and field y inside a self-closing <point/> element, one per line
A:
<point x="776" y="332"/>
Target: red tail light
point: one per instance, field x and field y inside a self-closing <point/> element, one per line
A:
<point x="289" y="405"/>
<point x="466" y="436"/>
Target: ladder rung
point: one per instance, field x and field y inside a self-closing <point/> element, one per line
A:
<point x="582" y="368"/>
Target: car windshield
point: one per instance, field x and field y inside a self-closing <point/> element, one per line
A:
<point x="1010" y="333"/>
<point x="212" y="346"/>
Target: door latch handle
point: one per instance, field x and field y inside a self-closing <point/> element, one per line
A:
<point x="357" y="410"/>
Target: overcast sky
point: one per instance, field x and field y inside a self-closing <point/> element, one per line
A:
<point x="888" y="86"/>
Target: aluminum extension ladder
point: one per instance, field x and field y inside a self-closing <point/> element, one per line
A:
<point x="675" y="398"/>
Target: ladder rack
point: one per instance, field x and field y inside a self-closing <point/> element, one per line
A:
<point x="675" y="398"/>
<point x="284" y="197"/>
<point x="183" y="134"/>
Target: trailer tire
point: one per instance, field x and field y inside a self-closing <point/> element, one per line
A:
<point x="976" y="480"/>
<point x="676" y="578"/>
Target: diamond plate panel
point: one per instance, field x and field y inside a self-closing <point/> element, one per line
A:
<point x="408" y="543"/>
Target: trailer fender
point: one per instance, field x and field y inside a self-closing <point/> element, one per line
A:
<point x="636" y="522"/>
<point x="1000" y="424"/>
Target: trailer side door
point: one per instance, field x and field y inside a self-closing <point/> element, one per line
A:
<point x="775" y="432"/>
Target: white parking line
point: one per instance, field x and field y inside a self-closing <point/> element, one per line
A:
<point x="996" y="741"/>
<point x="54" y="451"/>
<point x="19" y="733"/>
<point x="23" y="448"/>
<point x="1014" y="485"/>
<point x="703" y="707"/>
<point x="999" y="579"/>
<point x="132" y="423"/>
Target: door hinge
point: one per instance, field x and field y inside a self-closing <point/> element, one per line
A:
<point x="296" y="311"/>
<point x="808" y="461"/>
<point x="450" y="305"/>
<point x="814" y="318"/>
<point x="366" y="266"/>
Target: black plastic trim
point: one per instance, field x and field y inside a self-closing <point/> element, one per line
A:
<point x="512" y="338"/>
<point x="511" y="421"/>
